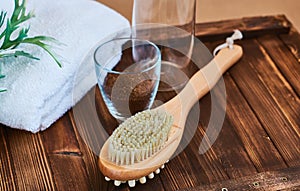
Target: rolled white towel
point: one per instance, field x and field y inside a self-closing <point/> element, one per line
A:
<point x="38" y="91"/>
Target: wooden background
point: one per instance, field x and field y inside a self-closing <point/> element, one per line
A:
<point x="257" y="149"/>
<point x="215" y="10"/>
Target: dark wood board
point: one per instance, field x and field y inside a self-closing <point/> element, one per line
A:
<point x="257" y="148"/>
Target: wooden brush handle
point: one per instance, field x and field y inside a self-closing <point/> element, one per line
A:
<point x="179" y="107"/>
<point x="205" y="79"/>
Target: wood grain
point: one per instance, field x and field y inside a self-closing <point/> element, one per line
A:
<point x="292" y="40"/>
<point x="223" y="147"/>
<point x="260" y="99"/>
<point x="6" y="171"/>
<point x="29" y="161"/>
<point x="84" y="127"/>
<point x="66" y="143"/>
<point x="69" y="172"/>
<point x="65" y="156"/>
<point x="251" y="27"/>
<point x="217" y="164"/>
<point x="95" y="178"/>
<point x="257" y="148"/>
<point x="272" y="180"/>
<point x="283" y="92"/>
<point x="263" y="153"/>
<point x="284" y="60"/>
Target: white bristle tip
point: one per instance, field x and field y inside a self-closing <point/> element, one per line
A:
<point x="143" y="180"/>
<point x="151" y="175"/>
<point x="167" y="161"/>
<point x="157" y="171"/>
<point x="117" y="183"/>
<point x="162" y="166"/>
<point x="131" y="183"/>
<point x="107" y="179"/>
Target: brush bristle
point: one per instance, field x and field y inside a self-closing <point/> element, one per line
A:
<point x="139" y="137"/>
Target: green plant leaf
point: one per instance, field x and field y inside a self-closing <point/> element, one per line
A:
<point x="2" y="18"/>
<point x="18" y="53"/>
<point x="14" y="25"/>
<point x="20" y="16"/>
<point x="40" y="41"/>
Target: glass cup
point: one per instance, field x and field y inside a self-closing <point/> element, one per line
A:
<point x="128" y="80"/>
<point x="155" y="20"/>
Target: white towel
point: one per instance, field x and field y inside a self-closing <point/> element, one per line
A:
<point x="39" y="92"/>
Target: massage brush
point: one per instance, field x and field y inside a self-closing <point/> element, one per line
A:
<point x="143" y="143"/>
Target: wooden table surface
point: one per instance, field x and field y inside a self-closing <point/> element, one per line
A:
<point x="257" y="148"/>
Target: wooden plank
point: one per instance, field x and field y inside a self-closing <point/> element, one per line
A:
<point x="69" y="172"/>
<point x="272" y="180"/>
<point x="185" y="170"/>
<point x="284" y="60"/>
<point x="95" y="178"/>
<point x="65" y="156"/>
<point x="7" y="180"/>
<point x="250" y="27"/>
<point x="292" y="40"/>
<point x="219" y="163"/>
<point x="256" y="141"/>
<point x="65" y="139"/>
<point x="84" y="120"/>
<point x="154" y="184"/>
<point x="190" y="168"/>
<point x="261" y="129"/>
<point x="228" y="145"/>
<point x="294" y="188"/>
<point x="263" y="103"/>
<point x="122" y="187"/>
<point x="30" y="163"/>
<point x="282" y="92"/>
<point x="182" y="172"/>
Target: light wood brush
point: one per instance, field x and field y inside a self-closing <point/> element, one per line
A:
<point x="142" y="144"/>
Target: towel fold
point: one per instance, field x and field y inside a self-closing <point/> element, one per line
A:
<point x="38" y="91"/>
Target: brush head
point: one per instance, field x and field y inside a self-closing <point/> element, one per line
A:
<point x="139" y="137"/>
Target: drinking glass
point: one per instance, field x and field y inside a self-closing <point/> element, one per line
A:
<point x="128" y="83"/>
<point x="156" y="21"/>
